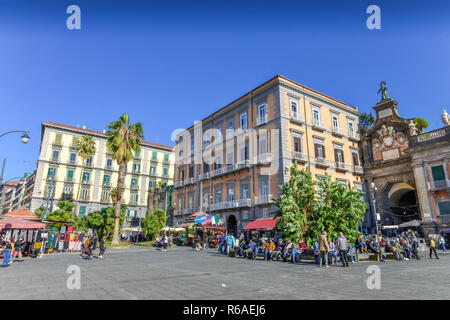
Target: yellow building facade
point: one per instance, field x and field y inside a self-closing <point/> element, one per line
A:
<point x="61" y="174"/>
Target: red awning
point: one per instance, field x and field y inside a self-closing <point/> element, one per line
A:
<point x="22" y="213"/>
<point x="261" y="225"/>
<point x="15" y="223"/>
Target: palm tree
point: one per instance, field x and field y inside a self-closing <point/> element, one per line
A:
<point x="123" y="138"/>
<point x="86" y="148"/>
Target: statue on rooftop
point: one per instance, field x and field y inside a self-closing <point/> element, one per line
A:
<point x="445" y="118"/>
<point x="383" y="90"/>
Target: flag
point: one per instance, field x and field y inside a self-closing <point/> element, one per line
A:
<point x="200" y="219"/>
<point x="216" y="220"/>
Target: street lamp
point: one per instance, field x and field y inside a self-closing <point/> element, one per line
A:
<point x="373" y="189"/>
<point x="24" y="138"/>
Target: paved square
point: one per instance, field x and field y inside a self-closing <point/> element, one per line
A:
<point x="181" y="273"/>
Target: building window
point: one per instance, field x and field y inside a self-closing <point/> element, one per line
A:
<point x="89" y="162"/>
<point x="55" y="155"/>
<point x="265" y="212"/>
<point x="218" y="162"/>
<point x="338" y="156"/>
<point x="82" y="211"/>
<point x="69" y="175"/>
<point x="245" y="193"/>
<point x="137" y="154"/>
<point x="86" y="177"/>
<point x="109" y="163"/>
<point x="243" y="151"/>
<point x="165" y="172"/>
<point x="152" y="170"/>
<point x="136" y="167"/>
<point x="51" y="173"/>
<point x="244" y="215"/>
<point x="230" y="156"/>
<point x="105" y="195"/>
<point x="294" y="108"/>
<point x="243" y="121"/>
<point x="344" y="183"/>
<point x="444" y="207"/>
<point x="73" y="158"/>
<point x="316" y="116"/>
<point x="264" y="188"/>
<point x="84" y="194"/>
<point x="335" y="121"/>
<point x="154" y="156"/>
<point x="166" y="157"/>
<point x="134" y="198"/>
<point x="297" y="142"/>
<point x="218" y="196"/>
<point x="68" y="190"/>
<point x="319" y="148"/>
<point x="351" y="129"/>
<point x="230" y="128"/>
<point x="262" y="114"/>
<point x="355" y="158"/>
<point x="230" y="192"/>
<point x="438" y="173"/>
<point x="263" y="143"/>
<point x="190" y="201"/>
<point x="134" y="182"/>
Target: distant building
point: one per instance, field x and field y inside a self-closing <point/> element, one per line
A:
<point x="94" y="178"/>
<point x="15" y="194"/>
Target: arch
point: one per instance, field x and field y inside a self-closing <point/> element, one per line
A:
<point x="232" y="224"/>
<point x="397" y="191"/>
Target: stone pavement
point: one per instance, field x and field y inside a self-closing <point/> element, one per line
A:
<point x="181" y="273"/>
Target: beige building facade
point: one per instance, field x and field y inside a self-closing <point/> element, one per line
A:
<point x="233" y="162"/>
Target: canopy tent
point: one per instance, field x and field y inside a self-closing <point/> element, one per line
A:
<point x="22" y="213"/>
<point x="412" y="223"/>
<point x="389" y="227"/>
<point x="16" y="223"/>
<point x="261" y="224"/>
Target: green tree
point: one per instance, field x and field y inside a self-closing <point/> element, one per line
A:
<point x="366" y="121"/>
<point x="153" y="224"/>
<point x="64" y="213"/>
<point x="86" y="148"/>
<point x="339" y="209"/>
<point x="40" y="212"/>
<point x="123" y="139"/>
<point x="420" y="124"/>
<point x="296" y="204"/>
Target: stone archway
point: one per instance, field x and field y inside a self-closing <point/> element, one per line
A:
<point x="403" y="201"/>
<point x="232" y="224"/>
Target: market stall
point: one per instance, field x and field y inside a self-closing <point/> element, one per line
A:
<point x="260" y="228"/>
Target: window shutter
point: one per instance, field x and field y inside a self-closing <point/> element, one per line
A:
<point x="355" y="159"/>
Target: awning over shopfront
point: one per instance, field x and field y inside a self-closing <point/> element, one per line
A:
<point x="185" y="225"/>
<point x="261" y="225"/>
<point x="412" y="223"/>
<point x="16" y="223"/>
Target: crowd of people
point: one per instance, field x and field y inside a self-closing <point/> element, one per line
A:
<point x="327" y="251"/>
<point x="90" y="245"/>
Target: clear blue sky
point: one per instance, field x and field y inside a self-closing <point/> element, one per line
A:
<point x="168" y="63"/>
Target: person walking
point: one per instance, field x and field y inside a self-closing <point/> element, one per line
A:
<point x="19" y="246"/>
<point x="165" y="241"/>
<point x="323" y="249"/>
<point x="7" y="248"/>
<point x="442" y="242"/>
<point x="102" y="247"/>
<point x="342" y="247"/>
<point x="433" y="247"/>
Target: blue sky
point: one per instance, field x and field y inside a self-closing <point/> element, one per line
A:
<point x="168" y="63"/>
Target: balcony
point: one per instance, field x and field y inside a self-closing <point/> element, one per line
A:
<point x="264" y="199"/>
<point x="297" y="117"/>
<point x="322" y="162"/>
<point x="203" y="176"/>
<point x="243" y="203"/>
<point x="178" y="212"/>
<point x="261" y="120"/>
<point x="354" y="136"/>
<point x="72" y="162"/>
<point x="301" y="157"/>
<point x="338" y="131"/>
<point x="217" y="172"/>
<point x="439" y="185"/>
<point x="320" y="125"/>
<point x="358" y="170"/>
<point x="188" y="181"/>
<point x="132" y="187"/>
<point x="178" y="184"/>
<point x="242" y="164"/>
<point x="264" y="158"/>
<point x="188" y="211"/>
<point x="340" y="166"/>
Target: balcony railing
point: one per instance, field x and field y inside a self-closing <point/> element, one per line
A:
<point x="264" y="158"/>
<point x="178" y="184"/>
<point x="217" y="172"/>
<point x="203" y="176"/>
<point x="322" y="162"/>
<point x="242" y="164"/>
<point x="439" y="184"/>
<point x="188" y="181"/>
<point x="358" y="170"/>
<point x="261" y="120"/>
<point x="354" y="136"/>
<point x="188" y="211"/>
<point x="243" y="203"/>
<point x="319" y="124"/>
<point x="299" y="156"/>
<point x="297" y="117"/>
<point x="341" y="166"/>
<point x="338" y="131"/>
<point x="263" y="199"/>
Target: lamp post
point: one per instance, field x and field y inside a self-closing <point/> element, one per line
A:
<point x="24" y="138"/>
<point x="373" y="189"/>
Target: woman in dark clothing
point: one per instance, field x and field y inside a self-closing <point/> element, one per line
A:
<point x="19" y="246"/>
<point x="102" y="247"/>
